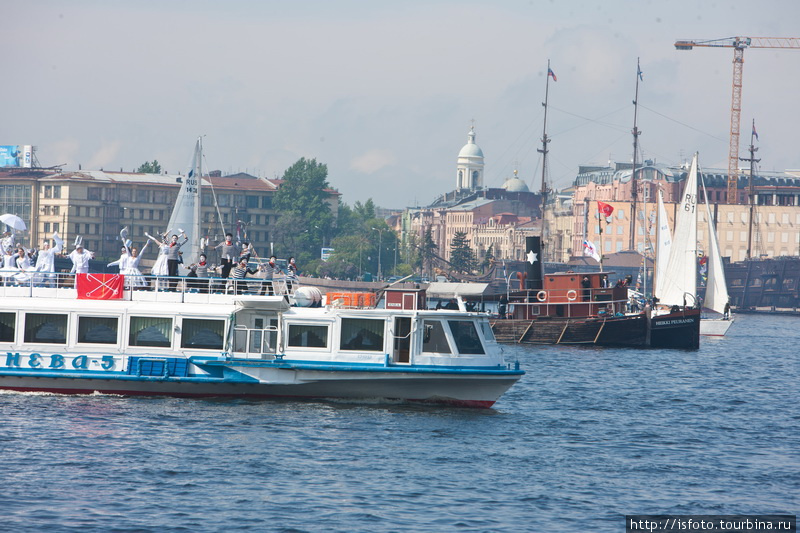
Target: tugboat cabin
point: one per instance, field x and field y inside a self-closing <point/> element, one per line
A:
<point x="570" y="295"/>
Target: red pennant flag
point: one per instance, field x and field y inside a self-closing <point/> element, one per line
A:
<point x="605" y="209"/>
<point x="100" y="286"/>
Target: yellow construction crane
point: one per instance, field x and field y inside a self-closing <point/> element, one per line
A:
<point x="738" y="44"/>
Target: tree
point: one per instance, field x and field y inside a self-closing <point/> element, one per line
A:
<point x="488" y="258"/>
<point x="150" y="168"/>
<point x="427" y="249"/>
<point x="462" y="257"/>
<point x="304" y="196"/>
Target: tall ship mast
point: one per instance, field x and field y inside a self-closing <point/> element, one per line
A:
<point x="543" y="150"/>
<point x="634" y="181"/>
<point x="752" y="160"/>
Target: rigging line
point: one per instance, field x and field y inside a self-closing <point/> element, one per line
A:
<point x="683" y="124"/>
<point x="524" y="133"/>
<point x="595" y="121"/>
<point x="606" y="147"/>
<point x="214" y="196"/>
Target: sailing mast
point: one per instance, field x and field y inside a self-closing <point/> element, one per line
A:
<point x="636" y="133"/>
<point x="543" y="150"/>
<point x="752" y="161"/>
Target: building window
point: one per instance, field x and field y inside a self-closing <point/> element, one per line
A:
<point x="362" y="334"/>
<point x="56" y="191"/>
<point x="47" y="227"/>
<point x="46" y="328"/>
<point x="224" y="200"/>
<point x="142" y="196"/>
<point x="125" y="194"/>
<point x="306" y="336"/>
<point x="252" y="202"/>
<point x="56" y="210"/>
<point x="148" y="331"/>
<point x="202" y="334"/>
<point x="56" y="227"/>
<point x="266" y="202"/>
<point x="97" y="330"/>
<point x="48" y="191"/>
<point x="93" y="193"/>
<point x="159" y="197"/>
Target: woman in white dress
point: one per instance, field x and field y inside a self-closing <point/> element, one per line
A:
<point x="23" y="263"/>
<point x="160" y="267"/>
<point x="133" y="276"/>
<point x="9" y="261"/>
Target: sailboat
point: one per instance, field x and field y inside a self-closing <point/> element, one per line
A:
<point x="186" y="214"/>
<point x="676" y="262"/>
<point x="716" y="298"/>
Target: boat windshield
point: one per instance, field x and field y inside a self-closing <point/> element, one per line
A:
<point x="466" y="337"/>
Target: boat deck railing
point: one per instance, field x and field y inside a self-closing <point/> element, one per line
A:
<point x="569" y="302"/>
<point x="146" y="288"/>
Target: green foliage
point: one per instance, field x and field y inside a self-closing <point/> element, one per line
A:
<point x="150" y="168"/>
<point x="427" y="249"/>
<point x="306" y="220"/>
<point x="462" y="257"/>
<point x="488" y="258"/>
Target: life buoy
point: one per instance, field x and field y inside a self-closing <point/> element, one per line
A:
<point x="541" y="296"/>
<point x="571" y="295"/>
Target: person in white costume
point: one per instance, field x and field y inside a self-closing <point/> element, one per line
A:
<point x="133" y="276"/>
<point x="160" y="267"/>
<point x="9" y="268"/>
<point x="80" y="259"/>
<point x="23" y="264"/>
<point x="45" y="261"/>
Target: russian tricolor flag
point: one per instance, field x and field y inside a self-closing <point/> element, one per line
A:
<point x="551" y="74"/>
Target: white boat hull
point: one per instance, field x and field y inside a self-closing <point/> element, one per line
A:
<point x="262" y="379"/>
<point x="714" y="327"/>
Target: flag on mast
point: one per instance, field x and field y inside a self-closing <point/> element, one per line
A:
<point x="605" y="209"/>
<point x="551" y="74"/>
<point x="590" y="250"/>
<point x="755" y="133"/>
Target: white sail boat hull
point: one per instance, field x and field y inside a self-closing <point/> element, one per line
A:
<point x="715" y="327"/>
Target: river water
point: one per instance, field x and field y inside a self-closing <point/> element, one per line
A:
<point x="587" y="436"/>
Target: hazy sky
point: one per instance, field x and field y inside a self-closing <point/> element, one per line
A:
<point x="384" y="92"/>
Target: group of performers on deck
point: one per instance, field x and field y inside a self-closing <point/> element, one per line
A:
<point x="19" y="265"/>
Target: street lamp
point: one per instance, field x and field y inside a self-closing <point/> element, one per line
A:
<point x="380" y="236"/>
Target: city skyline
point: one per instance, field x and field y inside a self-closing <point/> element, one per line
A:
<point x="385" y="94"/>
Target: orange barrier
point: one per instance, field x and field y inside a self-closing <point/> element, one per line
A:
<point x="351" y="299"/>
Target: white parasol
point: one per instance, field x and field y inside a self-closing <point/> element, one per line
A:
<point x="14" y="221"/>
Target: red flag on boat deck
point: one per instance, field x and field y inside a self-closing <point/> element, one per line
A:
<point x="99" y="286"/>
<point x="605" y="208"/>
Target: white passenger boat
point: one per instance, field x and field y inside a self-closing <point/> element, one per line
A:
<point x="202" y="343"/>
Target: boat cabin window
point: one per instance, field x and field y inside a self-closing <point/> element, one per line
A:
<point x="46" y="328"/>
<point x="206" y="334"/>
<point x="149" y="331"/>
<point x="307" y="336"/>
<point x="7" y="327"/>
<point x="362" y="334"/>
<point x="97" y="330"/>
<point x="488" y="334"/>
<point x="434" y="339"/>
<point x="466" y="337"/>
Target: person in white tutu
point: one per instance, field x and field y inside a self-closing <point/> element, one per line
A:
<point x="46" y="262"/>
<point x="24" y="266"/>
<point x="133" y="276"/>
<point x="160" y="267"/>
<point x="9" y="268"/>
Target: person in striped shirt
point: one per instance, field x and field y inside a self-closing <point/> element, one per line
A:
<point x="238" y="274"/>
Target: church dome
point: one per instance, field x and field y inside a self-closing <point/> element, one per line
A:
<point x="471" y="149"/>
<point x="515" y="184"/>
